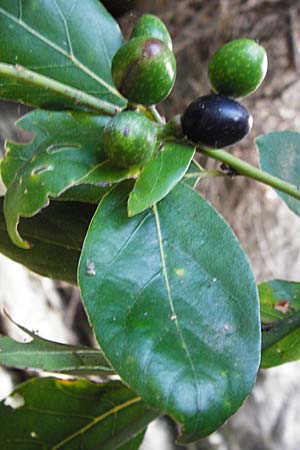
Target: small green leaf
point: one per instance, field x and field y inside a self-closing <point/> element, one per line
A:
<point x="280" y="316"/>
<point x="70" y="42"/>
<point x="43" y="354"/>
<point x="52" y="414"/>
<point x="279" y="154"/>
<point x="65" y="152"/>
<point x="160" y="176"/>
<point x="56" y="234"/>
<point x="179" y="323"/>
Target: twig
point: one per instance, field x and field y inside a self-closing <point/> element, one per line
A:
<point x="77" y="96"/>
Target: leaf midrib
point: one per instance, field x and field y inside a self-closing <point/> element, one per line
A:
<point x="172" y="307"/>
<point x="96" y="420"/>
<point x="70" y="56"/>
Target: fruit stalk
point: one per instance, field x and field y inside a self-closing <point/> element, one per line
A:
<point x="243" y="168"/>
<point x="79" y="97"/>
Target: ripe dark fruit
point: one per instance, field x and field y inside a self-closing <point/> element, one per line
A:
<point x="152" y="27"/>
<point x="144" y="70"/>
<point x="238" y="68"/>
<point x="216" y="121"/>
<point x="129" y="139"/>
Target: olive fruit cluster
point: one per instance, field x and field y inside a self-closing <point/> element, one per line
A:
<point x="235" y="70"/>
<point x="144" y="69"/>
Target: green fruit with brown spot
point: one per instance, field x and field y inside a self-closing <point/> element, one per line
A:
<point x="152" y="27"/>
<point x="129" y="139"/>
<point x="238" y="68"/>
<point x="144" y="70"/>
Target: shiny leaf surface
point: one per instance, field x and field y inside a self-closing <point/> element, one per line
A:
<point x="179" y="323"/>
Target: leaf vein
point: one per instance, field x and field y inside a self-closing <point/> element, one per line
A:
<point x="55" y="47"/>
<point x="96" y="420"/>
<point x="128" y="240"/>
<point x="65" y="27"/>
<point x="172" y="307"/>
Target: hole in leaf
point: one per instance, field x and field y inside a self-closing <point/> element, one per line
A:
<point x="60" y="147"/>
<point x="41" y="169"/>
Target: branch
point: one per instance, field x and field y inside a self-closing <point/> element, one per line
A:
<point x="246" y="169"/>
<point x="79" y="97"/>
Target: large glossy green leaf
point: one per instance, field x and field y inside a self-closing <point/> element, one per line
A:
<point x="279" y="154"/>
<point x="52" y="414"/>
<point x="49" y="356"/>
<point x="160" y="176"/>
<point x="280" y="316"/>
<point x="70" y="41"/>
<point x="56" y="235"/>
<point x="65" y="152"/>
<point x="174" y="306"/>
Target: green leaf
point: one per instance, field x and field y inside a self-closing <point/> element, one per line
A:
<point x="280" y="316"/>
<point x="160" y="176"/>
<point x="279" y="154"/>
<point x="52" y="414"/>
<point x="56" y="234"/>
<point x="65" y="152"/>
<point x="49" y="356"/>
<point x="71" y="42"/>
<point x="174" y="306"/>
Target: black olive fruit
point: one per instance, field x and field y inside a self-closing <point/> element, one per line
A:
<point x="238" y="68"/>
<point x="151" y="26"/>
<point x="216" y="121"/>
<point x="144" y="70"/>
<point x="129" y="139"/>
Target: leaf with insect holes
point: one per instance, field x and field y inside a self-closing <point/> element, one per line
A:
<point x="179" y="323"/>
<point x="69" y="41"/>
<point x="52" y="414"/>
<point x="160" y="176"/>
<point x="66" y="151"/>
<point x="279" y="154"/>
<point x="280" y="316"/>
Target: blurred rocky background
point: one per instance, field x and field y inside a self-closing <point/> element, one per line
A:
<point x="268" y="231"/>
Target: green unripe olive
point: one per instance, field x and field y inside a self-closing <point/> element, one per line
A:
<point x="238" y="68"/>
<point x="144" y="70"/>
<point x="129" y="139"/>
<point x="152" y="27"/>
